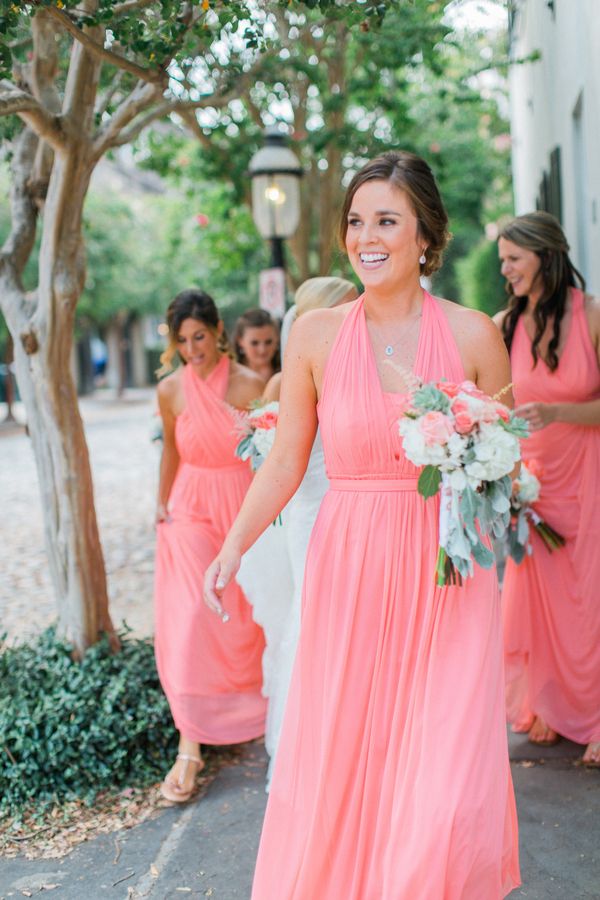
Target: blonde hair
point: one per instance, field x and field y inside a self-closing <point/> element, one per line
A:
<point x="322" y="293"/>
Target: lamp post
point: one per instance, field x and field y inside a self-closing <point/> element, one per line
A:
<point x="275" y="172"/>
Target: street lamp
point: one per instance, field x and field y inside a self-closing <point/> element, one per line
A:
<point x="275" y="172"/>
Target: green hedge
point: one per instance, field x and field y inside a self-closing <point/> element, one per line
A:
<point x="70" y="729"/>
<point x="481" y="284"/>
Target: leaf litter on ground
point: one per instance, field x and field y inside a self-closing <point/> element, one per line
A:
<point x="55" y="832"/>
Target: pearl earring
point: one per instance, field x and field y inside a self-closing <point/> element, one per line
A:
<point x="422" y="259"/>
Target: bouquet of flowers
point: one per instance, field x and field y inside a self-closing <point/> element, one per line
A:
<point x="257" y="433"/>
<point x="526" y="490"/>
<point x="468" y="444"/>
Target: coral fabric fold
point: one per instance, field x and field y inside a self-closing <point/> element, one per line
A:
<point x="551" y="607"/>
<point x="209" y="670"/>
<point x="392" y="780"/>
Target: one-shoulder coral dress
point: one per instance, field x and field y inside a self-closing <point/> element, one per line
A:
<point x="392" y="779"/>
<point x="210" y="670"/>
<point x="551" y="602"/>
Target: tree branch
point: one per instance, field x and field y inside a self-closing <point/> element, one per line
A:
<point x="253" y="109"/>
<point x="130" y="134"/>
<point x="150" y="75"/>
<point x="105" y="99"/>
<point x="121" y="9"/>
<point x="17" y="102"/>
<point x="19" y="243"/>
<point x="142" y="96"/>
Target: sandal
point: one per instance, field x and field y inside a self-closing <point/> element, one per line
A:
<point x="173" y="790"/>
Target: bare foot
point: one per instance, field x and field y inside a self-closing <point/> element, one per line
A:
<point x="591" y="757"/>
<point x="541" y="734"/>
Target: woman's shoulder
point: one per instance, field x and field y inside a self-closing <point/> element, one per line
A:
<point x="241" y="374"/>
<point x="169" y="385"/>
<point x="319" y="326"/>
<point x="314" y="334"/>
<point x="245" y="386"/>
<point x="466" y="321"/>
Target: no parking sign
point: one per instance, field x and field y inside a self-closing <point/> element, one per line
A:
<point x="271" y="291"/>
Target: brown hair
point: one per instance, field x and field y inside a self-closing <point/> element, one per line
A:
<point x="541" y="233"/>
<point x="412" y="175"/>
<point x="254" y="318"/>
<point x="190" y="304"/>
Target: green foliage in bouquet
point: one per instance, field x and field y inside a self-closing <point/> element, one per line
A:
<point x="70" y="729"/>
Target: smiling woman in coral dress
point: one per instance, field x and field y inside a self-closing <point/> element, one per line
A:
<point x="552" y="613"/>
<point x="210" y="674"/>
<point x="392" y="779"/>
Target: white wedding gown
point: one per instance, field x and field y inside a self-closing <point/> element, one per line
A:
<point x="271" y="576"/>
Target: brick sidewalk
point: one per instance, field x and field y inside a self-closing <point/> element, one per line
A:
<point x="125" y="471"/>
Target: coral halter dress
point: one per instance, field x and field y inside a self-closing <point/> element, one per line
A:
<point x="392" y="779"/>
<point x="209" y="670"/>
<point x="551" y="605"/>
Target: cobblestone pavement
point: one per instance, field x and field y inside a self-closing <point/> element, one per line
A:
<point x="125" y="471"/>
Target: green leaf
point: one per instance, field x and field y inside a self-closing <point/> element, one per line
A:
<point x="429" y="481"/>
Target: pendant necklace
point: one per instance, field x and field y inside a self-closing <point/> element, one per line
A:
<point x="390" y="348"/>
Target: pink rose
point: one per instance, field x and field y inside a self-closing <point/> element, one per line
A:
<point x="202" y="220"/>
<point x="448" y="388"/>
<point x="489" y="413"/>
<point x="535" y="467"/>
<point x="267" y="421"/>
<point x="436" y="428"/>
<point x="503" y="411"/>
<point x="469" y="387"/>
<point x="464" y="422"/>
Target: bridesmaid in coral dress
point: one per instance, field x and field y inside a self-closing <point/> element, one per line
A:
<point x="211" y="673"/>
<point x="392" y="779"/>
<point x="552" y="613"/>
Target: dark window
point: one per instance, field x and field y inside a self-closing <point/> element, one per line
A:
<point x="550" y="191"/>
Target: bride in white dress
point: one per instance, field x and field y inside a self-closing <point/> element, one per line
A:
<point x="272" y="571"/>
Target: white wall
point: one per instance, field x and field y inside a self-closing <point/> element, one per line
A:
<point x="556" y="102"/>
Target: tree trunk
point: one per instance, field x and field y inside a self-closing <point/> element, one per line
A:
<point x="62" y="460"/>
<point x="8" y="384"/>
<point x="42" y="329"/>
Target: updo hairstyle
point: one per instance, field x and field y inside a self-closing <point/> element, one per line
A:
<point x="190" y="304"/>
<point x="412" y="175"/>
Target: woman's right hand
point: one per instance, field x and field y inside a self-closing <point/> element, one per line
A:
<point x="162" y="514"/>
<point x="217" y="577"/>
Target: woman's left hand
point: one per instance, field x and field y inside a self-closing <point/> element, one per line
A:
<point x="538" y="415"/>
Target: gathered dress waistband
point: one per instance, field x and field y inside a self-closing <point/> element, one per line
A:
<point x="373" y="484"/>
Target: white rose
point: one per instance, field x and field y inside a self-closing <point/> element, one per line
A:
<point x="496" y="452"/>
<point x="529" y="486"/>
<point x="416" y="449"/>
<point x="264" y="440"/>
<point x="458" y="480"/>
